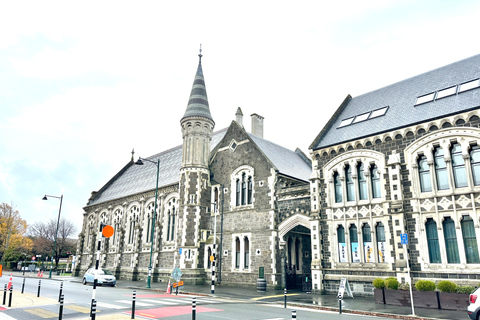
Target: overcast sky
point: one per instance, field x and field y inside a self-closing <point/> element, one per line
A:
<point x="82" y="83"/>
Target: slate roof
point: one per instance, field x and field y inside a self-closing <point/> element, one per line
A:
<point x="136" y="179"/>
<point x="286" y="161"/>
<point x="400" y="99"/>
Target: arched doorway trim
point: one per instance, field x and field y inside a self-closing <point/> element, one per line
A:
<point x="292" y="222"/>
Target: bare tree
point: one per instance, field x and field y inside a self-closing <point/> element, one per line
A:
<point x="44" y="236"/>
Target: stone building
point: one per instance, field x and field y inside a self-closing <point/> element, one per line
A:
<point x="233" y="189"/>
<point x="401" y="159"/>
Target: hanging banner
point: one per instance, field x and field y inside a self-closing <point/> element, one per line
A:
<point x="368" y="249"/>
<point x="342" y="252"/>
<point x="381" y="251"/>
<point x="355" y="255"/>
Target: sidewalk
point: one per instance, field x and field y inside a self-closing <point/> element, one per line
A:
<point x="295" y="298"/>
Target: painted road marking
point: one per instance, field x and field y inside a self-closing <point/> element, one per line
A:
<point x="78" y="308"/>
<point x="110" y="306"/>
<point x="162" y="302"/>
<point x="42" y="313"/>
<point x="276" y="296"/>
<point x="164" y="312"/>
<point x="141" y="304"/>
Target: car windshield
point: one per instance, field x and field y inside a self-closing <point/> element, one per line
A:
<point x="105" y="271"/>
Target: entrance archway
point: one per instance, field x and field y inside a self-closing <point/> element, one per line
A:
<point x="296" y="239"/>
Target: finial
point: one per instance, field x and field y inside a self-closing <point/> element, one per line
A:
<point x="200" y="54"/>
<point x="133" y="152"/>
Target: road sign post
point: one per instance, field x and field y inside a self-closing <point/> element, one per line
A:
<point x="404" y="242"/>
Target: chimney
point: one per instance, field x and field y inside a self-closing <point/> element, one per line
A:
<point x="257" y="125"/>
<point x="239" y="117"/>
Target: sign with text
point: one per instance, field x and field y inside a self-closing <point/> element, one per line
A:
<point x="342" y="251"/>
<point x="344" y="287"/>
<point x="404" y="238"/>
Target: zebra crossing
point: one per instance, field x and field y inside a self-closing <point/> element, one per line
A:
<point x="153" y="303"/>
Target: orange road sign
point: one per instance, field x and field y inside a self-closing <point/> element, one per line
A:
<point x="107" y="231"/>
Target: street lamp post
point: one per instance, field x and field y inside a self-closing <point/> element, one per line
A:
<point x="56" y="230"/>
<point x="157" y="163"/>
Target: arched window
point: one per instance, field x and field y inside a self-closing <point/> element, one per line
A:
<point x="432" y="241"/>
<point x="150" y="213"/>
<point x="475" y="161"/>
<point x="238" y="188"/>
<point x="209" y="254"/>
<point x="342" y="249"/>
<point x="381" y="245"/>
<point x="367" y="243"/>
<point x="440" y="169"/>
<point x="171" y="217"/>
<point x="250" y="190"/>
<point x="244" y="189"/>
<point x="458" y="165"/>
<point x="338" y="187"/>
<point x="450" y="240"/>
<point x="246" y="252"/>
<point x="424" y="174"/>
<point x="362" y="182"/>
<point x="354" y="243"/>
<point x="237" y="253"/>
<point x="131" y="230"/>
<point x="469" y="240"/>
<point x="350" y="185"/>
<point x="375" y="176"/>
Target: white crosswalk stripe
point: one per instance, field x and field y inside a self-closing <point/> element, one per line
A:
<point x="109" y="305"/>
<point x="161" y="301"/>
<point x="141" y="304"/>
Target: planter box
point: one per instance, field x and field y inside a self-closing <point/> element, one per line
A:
<point x="454" y="301"/>
<point x="423" y="299"/>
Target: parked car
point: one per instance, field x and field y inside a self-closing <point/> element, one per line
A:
<point x="473" y="309"/>
<point x="104" y="277"/>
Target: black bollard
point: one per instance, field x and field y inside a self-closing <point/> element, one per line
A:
<point x="23" y="285"/>
<point x="133" y="304"/>
<point x="60" y="312"/>
<point x="194" y="308"/>
<point x="39" y="285"/>
<point x="60" y="293"/>
<point x="294" y="314"/>
<point x="5" y="294"/>
<point x="339" y="305"/>
<point x="285" y="294"/>
<point x="10" y="300"/>
<point x="176" y="291"/>
<point x="93" y="310"/>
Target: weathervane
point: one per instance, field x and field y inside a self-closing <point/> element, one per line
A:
<point x="200" y="54"/>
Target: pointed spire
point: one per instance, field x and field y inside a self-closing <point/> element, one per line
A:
<point x="133" y="153"/>
<point x="198" y="102"/>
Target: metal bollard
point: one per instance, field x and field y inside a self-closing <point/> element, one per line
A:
<point x="10" y="300"/>
<point x="93" y="311"/>
<point x="133" y="304"/>
<point x="340" y="305"/>
<point x="4" y="294"/>
<point x="39" y="285"/>
<point x="23" y="285"/>
<point x="60" y="293"/>
<point x="285" y="294"/>
<point x="60" y="312"/>
<point x="294" y="314"/>
<point x="194" y="308"/>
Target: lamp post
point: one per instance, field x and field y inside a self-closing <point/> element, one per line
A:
<point x="56" y="230"/>
<point x="157" y="163"/>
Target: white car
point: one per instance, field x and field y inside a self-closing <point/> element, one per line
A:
<point x="104" y="277"/>
<point x="473" y="308"/>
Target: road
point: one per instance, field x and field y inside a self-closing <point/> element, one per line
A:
<point x="116" y="303"/>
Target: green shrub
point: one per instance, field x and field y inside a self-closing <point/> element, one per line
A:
<point x="446" y="286"/>
<point x="404" y="286"/>
<point x="465" y="289"/>
<point x="379" y="283"/>
<point x="391" y="283"/>
<point x="425" y="285"/>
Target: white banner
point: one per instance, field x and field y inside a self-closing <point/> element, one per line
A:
<point x="342" y="252"/>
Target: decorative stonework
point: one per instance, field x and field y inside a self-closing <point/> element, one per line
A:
<point x="445" y="203"/>
<point x="427" y="205"/>
<point x="377" y="210"/>
<point x="463" y="201"/>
